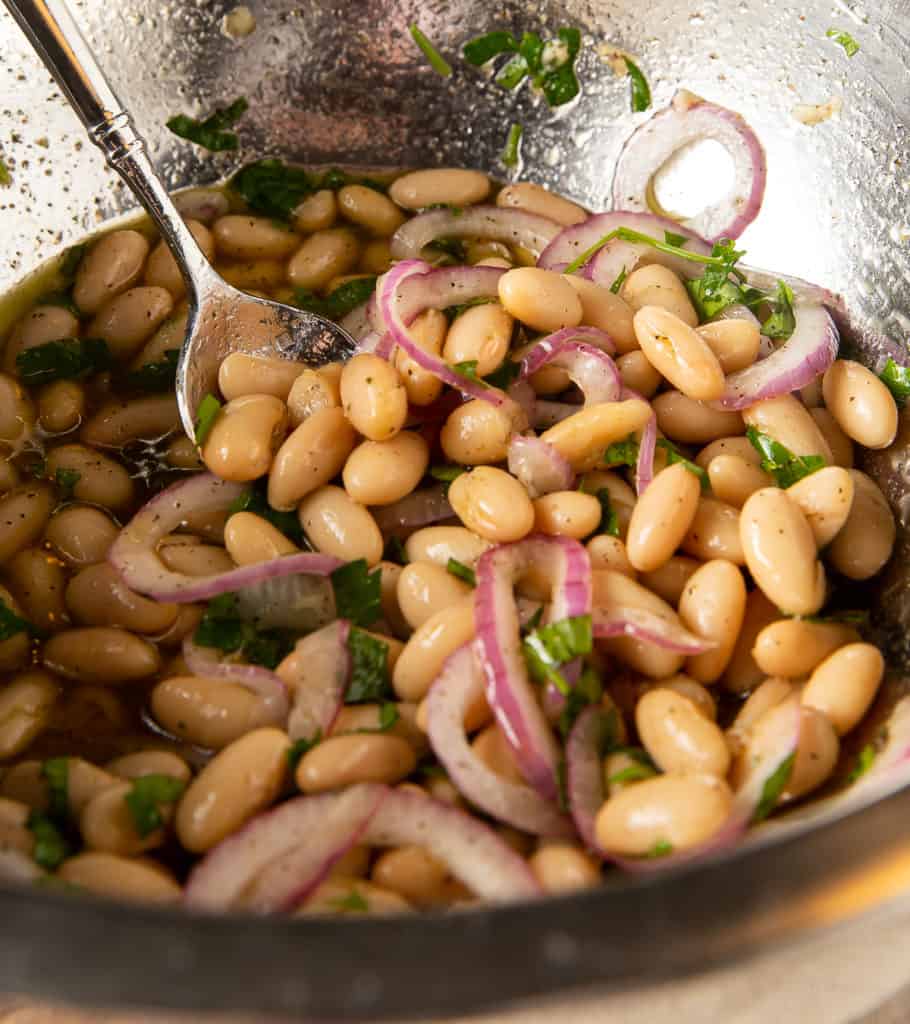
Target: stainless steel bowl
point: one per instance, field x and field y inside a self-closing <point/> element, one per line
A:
<point x="344" y="83"/>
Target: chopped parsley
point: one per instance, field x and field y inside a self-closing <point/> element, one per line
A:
<point x="275" y="189"/>
<point x="549" y="647"/>
<point x="864" y="762"/>
<point x="896" y="379"/>
<point x="671" y="238"/>
<point x="609" y="521"/>
<point x="510" y="154"/>
<point x="635" y="772"/>
<point x="454" y="312"/>
<point x="618" y="281"/>
<point x="622" y="453"/>
<point x="454" y="251"/>
<point x="55" y="772"/>
<point x="369" y="669"/>
<point x="719" y="259"/>
<point x="550" y="65"/>
<point x="254" y="500"/>
<point x="467" y="369"/>
<point x="340" y="301"/>
<point x="462" y="571"/>
<point x="662" y="848"/>
<point x="776" y="459"/>
<point x="300" y="747"/>
<point x="844" y="39"/>
<point x="6" y="177"/>
<point x="716" y="289"/>
<point x="640" y="90"/>
<point x="51" y="846"/>
<point x="358" y="592"/>
<point x="206" y="415"/>
<point x="66" y="480"/>
<point x="352" y="903"/>
<point x="772" y="789"/>
<point x="212" y="132"/>
<point x="222" y="627"/>
<point x="155" y="377"/>
<point x="145" y="798"/>
<point x="12" y="624"/>
<point x="588" y="690"/>
<point x="782" y="321"/>
<point x="675" y="455"/>
<point x="434" y="58"/>
<point x="446" y="472"/>
<point x="505" y="374"/>
<point x="388" y="716"/>
<point x="66" y="359"/>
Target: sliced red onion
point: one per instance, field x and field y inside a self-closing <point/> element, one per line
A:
<point x="317" y="830"/>
<point x="317" y="673"/>
<point x="205" y="661"/>
<point x="358" y="322"/>
<point x="538" y="466"/>
<point x="471" y="850"/>
<point x="584" y="772"/>
<point x="803" y="291"/>
<point x="509" y="690"/>
<point x="419" y="508"/>
<point x="302" y="603"/>
<point x="411" y="287"/>
<point x="644" y="625"/>
<point x="606" y="265"/>
<point x="588" y="365"/>
<point x="647" y="448"/>
<point x="133" y="552"/>
<point x="511" y="227"/>
<point x="458" y="685"/>
<point x="521" y="392"/>
<point x="806" y="354"/>
<point x="669" y="131"/>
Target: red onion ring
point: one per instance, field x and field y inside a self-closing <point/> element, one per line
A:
<point x="807" y="353"/>
<point x="512" y="227"/>
<point x="133" y="552"/>
<point x="471" y="850"/>
<point x="419" y="508"/>
<point x="457" y="686"/>
<point x="509" y="690"/>
<point x="584" y="773"/>
<point x="538" y="466"/>
<point x="317" y="674"/>
<point x="646" y="626"/>
<point x="570" y="243"/>
<point x="246" y="869"/>
<point x="588" y="365"/>
<point x="689" y="119"/>
<point x="647" y="448"/>
<point x="204" y="661"/>
<point x="411" y="287"/>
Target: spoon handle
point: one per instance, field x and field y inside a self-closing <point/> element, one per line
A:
<point x="58" y="42"/>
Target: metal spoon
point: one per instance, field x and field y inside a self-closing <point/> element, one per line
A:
<point x="222" y="319"/>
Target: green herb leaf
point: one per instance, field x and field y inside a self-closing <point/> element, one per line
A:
<point x="51" y="847"/>
<point x="467" y="369"/>
<point x="671" y="238"/>
<point x="484" y="48"/>
<point x="434" y="58"/>
<point x="11" y="624"/>
<point x="394" y="551"/>
<point x="273" y="188"/>
<point x="211" y="133"/>
<point x="864" y="762"/>
<point x="66" y="359"/>
<point x="637" y="754"/>
<point x="504" y="375"/>
<point x="551" y="646"/>
<point x="66" y="481"/>
<point x="369" y="669"/>
<point x="513" y="73"/>
<point x="510" y="155"/>
<point x="454" y="312"/>
<point x="588" y="690"/>
<point x="662" y="848"/>
<point x="55" y="772"/>
<point x="6" y="177"/>
<point x="786" y="468"/>
<point x="782" y="322"/>
<point x="622" y="453"/>
<point x="844" y="39"/>
<point x="772" y="789"/>
<point x="145" y="798"/>
<point x="254" y="500"/>
<point x="388" y="716"/>
<point x="675" y="455"/>
<point x="715" y="290"/>
<point x="446" y="473"/>
<point x="454" y="251"/>
<point x="340" y="301"/>
<point x="462" y="571"/>
<point x="632" y="773"/>
<point x="352" y="903"/>
<point x="857" y="617"/>
<point x="896" y="379"/>
<point x="640" y="90"/>
<point x="609" y="521"/>
<point x="153" y="378"/>
<point x="222" y="627"/>
<point x="206" y="415"/>
<point x="300" y="747"/>
<point x="618" y="281"/>
<point x="357" y="592"/>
